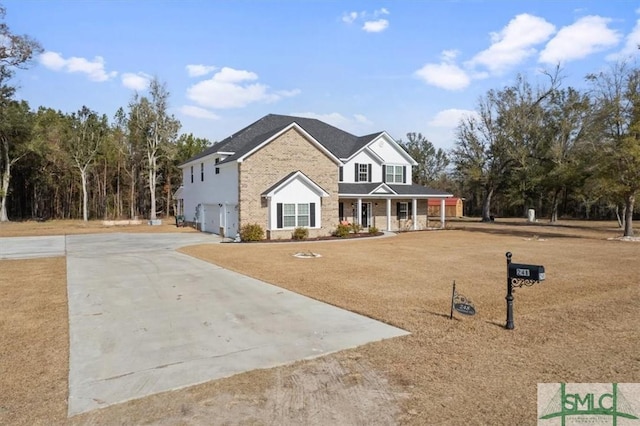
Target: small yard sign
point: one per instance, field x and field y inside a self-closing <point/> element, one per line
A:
<point x="461" y="304"/>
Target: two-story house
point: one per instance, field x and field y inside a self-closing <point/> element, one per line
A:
<point x="283" y="172"/>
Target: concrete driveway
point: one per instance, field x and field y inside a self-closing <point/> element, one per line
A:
<point x="31" y="247"/>
<point x="146" y="319"/>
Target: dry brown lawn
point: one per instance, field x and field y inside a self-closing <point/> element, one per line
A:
<point x="580" y="325"/>
<point x="65" y="227"/>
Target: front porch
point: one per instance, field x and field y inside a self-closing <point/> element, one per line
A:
<point x="390" y="214"/>
<point x="389" y="207"/>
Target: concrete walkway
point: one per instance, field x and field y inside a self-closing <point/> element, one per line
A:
<point x="146" y="319"/>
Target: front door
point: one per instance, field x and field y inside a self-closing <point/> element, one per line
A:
<point x="366" y="215"/>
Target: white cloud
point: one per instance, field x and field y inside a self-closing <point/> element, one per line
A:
<point x="52" y="60"/>
<point x="450" y="118"/>
<point x="449" y="55"/>
<point x="446" y="75"/>
<point x="93" y="69"/>
<point x="375" y="26"/>
<point x="231" y="88"/>
<point x="514" y="43"/>
<point x="288" y="93"/>
<point x="139" y="81"/>
<point x="371" y="21"/>
<point x="199" y="70"/>
<point x="197" y="112"/>
<point x="362" y="119"/>
<point x="631" y="45"/>
<point x="349" y="17"/>
<point x="587" y="35"/>
<point x="441" y="128"/>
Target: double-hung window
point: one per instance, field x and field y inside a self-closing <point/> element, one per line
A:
<point x="394" y="174"/>
<point x="363" y="172"/>
<point x="201" y="172"/>
<point x="191" y="174"/>
<point x="404" y="210"/>
<point x="293" y="215"/>
<point x="217" y="168"/>
<point x="288" y="216"/>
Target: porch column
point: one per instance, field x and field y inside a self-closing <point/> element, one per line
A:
<point x="388" y="214"/>
<point x="359" y="214"/>
<point x="414" y="213"/>
<point x="442" y="213"/>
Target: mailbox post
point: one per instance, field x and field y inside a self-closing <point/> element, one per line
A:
<point x="519" y="275"/>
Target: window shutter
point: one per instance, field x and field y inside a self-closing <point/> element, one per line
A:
<point x="279" y="214"/>
<point x="384" y="173"/>
<point x="312" y="215"/>
<point x="369" y="172"/>
<point x="357" y="170"/>
<point x="341" y="210"/>
<point x="398" y="210"/>
<point x="341" y="174"/>
<point x="410" y="210"/>
<point x="404" y="174"/>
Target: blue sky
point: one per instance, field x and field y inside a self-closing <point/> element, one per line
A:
<point x="363" y="66"/>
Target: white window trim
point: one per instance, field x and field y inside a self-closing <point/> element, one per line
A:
<point x="364" y="173"/>
<point x="394" y="174"/>
<point x="404" y="204"/>
<point x="296" y="215"/>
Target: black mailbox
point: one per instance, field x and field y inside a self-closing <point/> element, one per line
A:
<point x="526" y="272"/>
<point x="518" y="275"/>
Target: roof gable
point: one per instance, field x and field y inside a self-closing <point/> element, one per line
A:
<point x="292" y="177"/>
<point x="371" y="140"/>
<point x="277" y="133"/>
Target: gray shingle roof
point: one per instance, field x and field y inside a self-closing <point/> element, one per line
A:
<point x="418" y="190"/>
<point x="408" y="190"/>
<point x="340" y="143"/>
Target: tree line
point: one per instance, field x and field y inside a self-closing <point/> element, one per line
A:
<point x="566" y="152"/>
<point x="83" y="164"/>
<point x="560" y="150"/>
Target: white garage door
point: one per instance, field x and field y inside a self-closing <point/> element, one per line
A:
<point x="211" y="219"/>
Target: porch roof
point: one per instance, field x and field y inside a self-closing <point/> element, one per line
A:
<point x="365" y="190"/>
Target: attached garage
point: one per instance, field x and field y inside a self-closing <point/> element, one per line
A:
<point x="211" y="218"/>
<point x="221" y="219"/>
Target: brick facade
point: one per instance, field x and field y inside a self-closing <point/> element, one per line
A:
<point x="290" y="152"/>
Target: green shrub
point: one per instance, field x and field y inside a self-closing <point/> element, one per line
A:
<point x="300" y="233"/>
<point x="342" y="230"/>
<point x="251" y="232"/>
<point x="373" y="230"/>
<point x="356" y="228"/>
